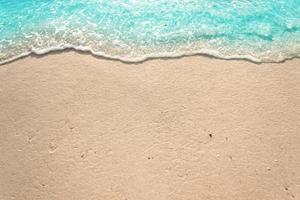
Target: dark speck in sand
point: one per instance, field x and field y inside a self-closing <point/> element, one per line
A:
<point x="150" y="158"/>
<point x="286" y="188"/>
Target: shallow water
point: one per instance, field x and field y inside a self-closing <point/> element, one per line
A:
<point x="134" y="30"/>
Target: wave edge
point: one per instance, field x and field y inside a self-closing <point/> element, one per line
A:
<point x="133" y="60"/>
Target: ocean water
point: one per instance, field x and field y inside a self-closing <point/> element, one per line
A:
<point x="134" y="30"/>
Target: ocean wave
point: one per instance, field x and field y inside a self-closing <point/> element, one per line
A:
<point x="134" y="31"/>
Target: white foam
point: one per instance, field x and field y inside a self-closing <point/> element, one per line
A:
<point x="204" y="52"/>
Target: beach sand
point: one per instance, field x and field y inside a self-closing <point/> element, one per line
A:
<point x="73" y="126"/>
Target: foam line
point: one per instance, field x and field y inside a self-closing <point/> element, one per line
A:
<point x="206" y="52"/>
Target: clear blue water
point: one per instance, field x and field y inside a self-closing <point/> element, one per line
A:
<point x="133" y="30"/>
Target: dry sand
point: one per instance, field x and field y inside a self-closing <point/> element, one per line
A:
<point x="76" y="127"/>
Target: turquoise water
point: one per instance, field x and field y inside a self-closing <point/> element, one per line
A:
<point x="134" y="30"/>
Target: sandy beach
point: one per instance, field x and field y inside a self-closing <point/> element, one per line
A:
<point x="73" y="126"/>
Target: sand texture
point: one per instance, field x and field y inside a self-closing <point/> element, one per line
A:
<point x="76" y="127"/>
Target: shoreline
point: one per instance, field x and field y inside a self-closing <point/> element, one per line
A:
<point x="76" y="126"/>
<point x="129" y="60"/>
